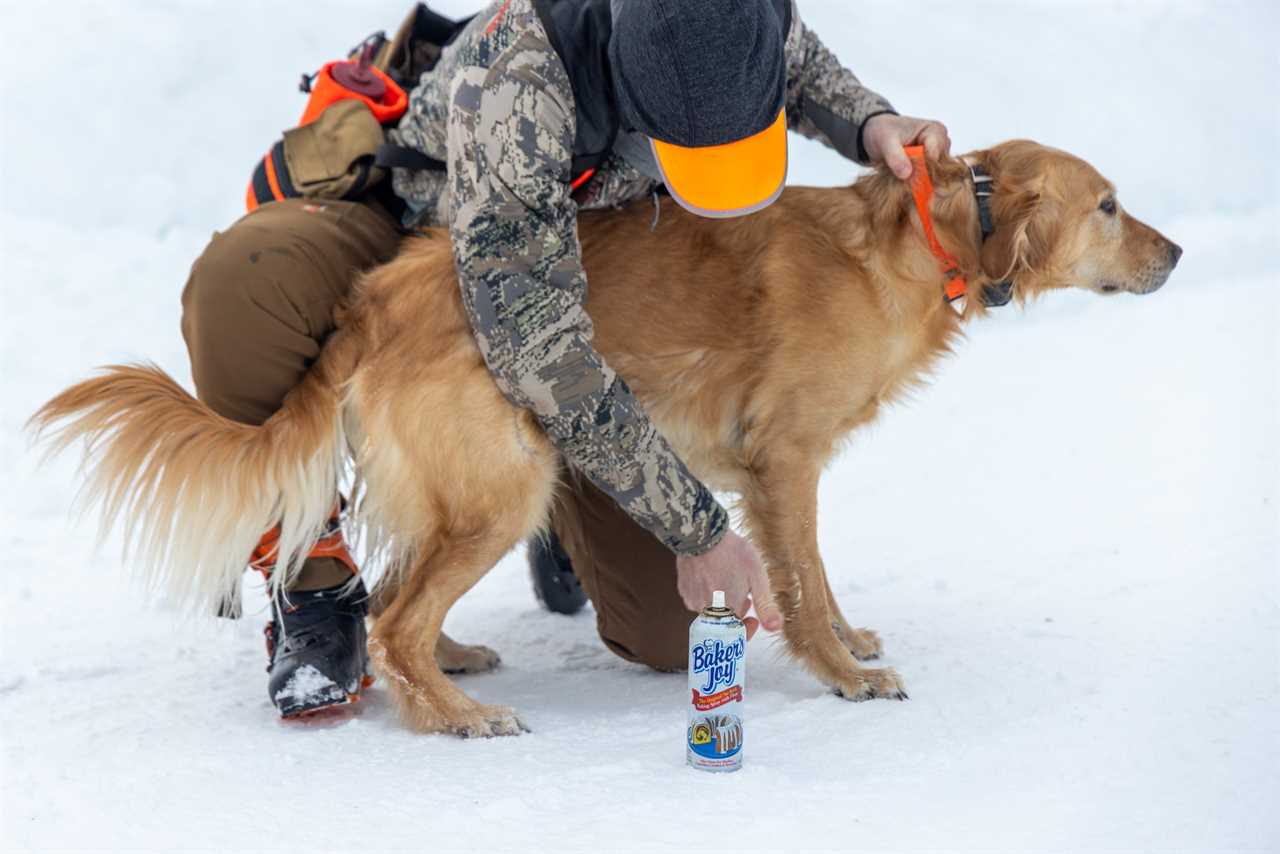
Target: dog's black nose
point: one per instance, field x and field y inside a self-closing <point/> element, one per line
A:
<point x="1175" y="252"/>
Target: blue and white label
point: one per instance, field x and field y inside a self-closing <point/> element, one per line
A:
<point x="716" y="662"/>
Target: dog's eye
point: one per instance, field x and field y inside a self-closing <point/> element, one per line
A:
<point x="1108" y="207"/>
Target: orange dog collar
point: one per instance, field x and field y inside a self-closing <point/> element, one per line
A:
<point x="922" y="191"/>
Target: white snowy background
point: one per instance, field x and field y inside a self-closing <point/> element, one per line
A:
<point x="1069" y="542"/>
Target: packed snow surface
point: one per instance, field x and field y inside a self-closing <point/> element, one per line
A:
<point x="1068" y="542"/>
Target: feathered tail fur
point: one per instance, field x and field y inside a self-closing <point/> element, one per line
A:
<point x="196" y="491"/>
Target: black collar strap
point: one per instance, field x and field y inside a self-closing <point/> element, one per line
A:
<point x="982" y="191"/>
<point x="1000" y="293"/>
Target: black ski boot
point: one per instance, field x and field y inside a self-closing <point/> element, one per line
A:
<point x="316" y="650"/>
<point x="554" y="583"/>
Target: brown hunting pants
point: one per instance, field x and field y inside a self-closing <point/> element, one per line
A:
<point x="255" y="314"/>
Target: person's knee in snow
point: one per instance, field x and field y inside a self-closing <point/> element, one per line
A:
<point x="661" y="642"/>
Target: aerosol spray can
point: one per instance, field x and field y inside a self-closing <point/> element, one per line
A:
<point x="717" y="670"/>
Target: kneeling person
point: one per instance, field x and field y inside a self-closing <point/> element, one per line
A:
<point x="539" y="109"/>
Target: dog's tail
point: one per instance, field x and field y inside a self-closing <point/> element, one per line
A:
<point x="197" y="491"/>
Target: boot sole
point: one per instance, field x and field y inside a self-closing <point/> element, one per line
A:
<point x="302" y="714"/>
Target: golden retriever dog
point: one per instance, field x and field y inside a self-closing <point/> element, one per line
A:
<point x="757" y="345"/>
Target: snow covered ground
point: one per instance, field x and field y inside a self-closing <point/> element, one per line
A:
<point x="1089" y="624"/>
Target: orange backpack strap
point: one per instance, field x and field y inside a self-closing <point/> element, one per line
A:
<point x="270" y="181"/>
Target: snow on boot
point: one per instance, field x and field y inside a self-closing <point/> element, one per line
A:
<point x="316" y="649"/>
<point x="554" y="583"/>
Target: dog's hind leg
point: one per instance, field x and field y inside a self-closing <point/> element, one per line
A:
<point x="406" y="638"/>
<point x="782" y="505"/>
<point x="475" y="494"/>
<point x="451" y="656"/>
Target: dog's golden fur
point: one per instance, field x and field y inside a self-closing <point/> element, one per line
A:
<point x="757" y="345"/>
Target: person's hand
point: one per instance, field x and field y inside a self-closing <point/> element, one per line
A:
<point x="885" y="136"/>
<point x="733" y="566"/>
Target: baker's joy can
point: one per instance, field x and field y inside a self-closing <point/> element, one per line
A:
<point x="717" y="669"/>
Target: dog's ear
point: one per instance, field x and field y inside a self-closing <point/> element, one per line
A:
<point x="1017" y="245"/>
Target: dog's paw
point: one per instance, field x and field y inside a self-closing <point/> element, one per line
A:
<point x="487" y="722"/>
<point x="872" y="684"/>
<point x="466" y="658"/>
<point x="863" y="643"/>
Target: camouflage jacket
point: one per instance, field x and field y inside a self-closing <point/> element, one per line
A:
<point x="499" y="109"/>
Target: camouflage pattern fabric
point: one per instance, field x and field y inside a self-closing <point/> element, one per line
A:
<point x="825" y="101"/>
<point x="499" y="110"/>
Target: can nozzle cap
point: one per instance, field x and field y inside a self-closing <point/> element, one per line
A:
<point x="717" y="599"/>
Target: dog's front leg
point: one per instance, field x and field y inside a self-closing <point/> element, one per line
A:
<point x="782" y="507"/>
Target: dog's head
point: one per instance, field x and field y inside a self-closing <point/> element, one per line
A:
<point x="1058" y="223"/>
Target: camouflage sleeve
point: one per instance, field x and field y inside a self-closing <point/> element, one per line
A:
<point x="825" y="101"/>
<point x="515" y="243"/>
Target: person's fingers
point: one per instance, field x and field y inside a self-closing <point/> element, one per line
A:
<point x="690" y="594"/>
<point x="762" y="596"/>
<point x="753" y="626"/>
<point x="928" y="137"/>
<point x="934" y="138"/>
<point x="896" y="159"/>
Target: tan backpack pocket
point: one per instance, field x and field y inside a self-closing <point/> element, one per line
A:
<point x="334" y="151"/>
<point x="333" y="156"/>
